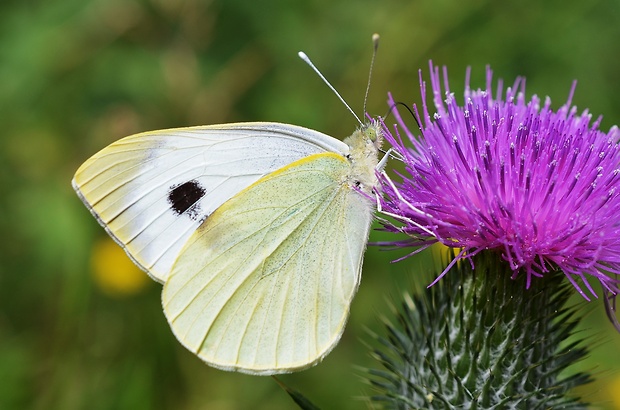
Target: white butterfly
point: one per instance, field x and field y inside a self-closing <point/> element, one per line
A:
<point x="256" y="230"/>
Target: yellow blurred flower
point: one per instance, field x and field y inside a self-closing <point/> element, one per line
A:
<point x="443" y="252"/>
<point x="442" y="255"/>
<point x="114" y="273"/>
<point x="614" y="392"/>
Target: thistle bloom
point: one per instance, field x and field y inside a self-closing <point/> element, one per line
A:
<point x="510" y="175"/>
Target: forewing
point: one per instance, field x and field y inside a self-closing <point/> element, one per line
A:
<point x="151" y="191"/>
<point x="265" y="284"/>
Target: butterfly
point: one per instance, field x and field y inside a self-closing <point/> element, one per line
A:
<point x="256" y="230"/>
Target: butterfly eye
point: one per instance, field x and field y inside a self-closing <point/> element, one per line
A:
<point x="372" y="135"/>
<point x="183" y="198"/>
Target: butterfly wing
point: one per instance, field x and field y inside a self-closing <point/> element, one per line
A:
<point x="265" y="283"/>
<point x="151" y="191"/>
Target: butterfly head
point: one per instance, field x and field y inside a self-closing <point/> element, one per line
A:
<point x="364" y="146"/>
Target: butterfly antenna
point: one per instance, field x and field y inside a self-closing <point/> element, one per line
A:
<point x="375" y="46"/>
<point x="306" y="59"/>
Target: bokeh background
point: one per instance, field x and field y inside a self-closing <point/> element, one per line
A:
<point x="80" y="327"/>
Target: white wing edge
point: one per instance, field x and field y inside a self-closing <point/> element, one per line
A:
<point x="109" y="232"/>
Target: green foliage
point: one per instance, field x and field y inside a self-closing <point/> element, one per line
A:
<point x="479" y="340"/>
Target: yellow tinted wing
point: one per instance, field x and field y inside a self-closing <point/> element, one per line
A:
<point x="265" y="283"/>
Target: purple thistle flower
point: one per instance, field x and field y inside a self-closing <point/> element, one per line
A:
<point x="541" y="187"/>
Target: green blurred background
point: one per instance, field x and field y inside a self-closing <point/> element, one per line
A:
<point x="79" y="327"/>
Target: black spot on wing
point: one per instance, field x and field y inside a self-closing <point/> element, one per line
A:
<point x="184" y="199"/>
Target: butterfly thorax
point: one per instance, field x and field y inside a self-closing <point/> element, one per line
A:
<point x="364" y="145"/>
